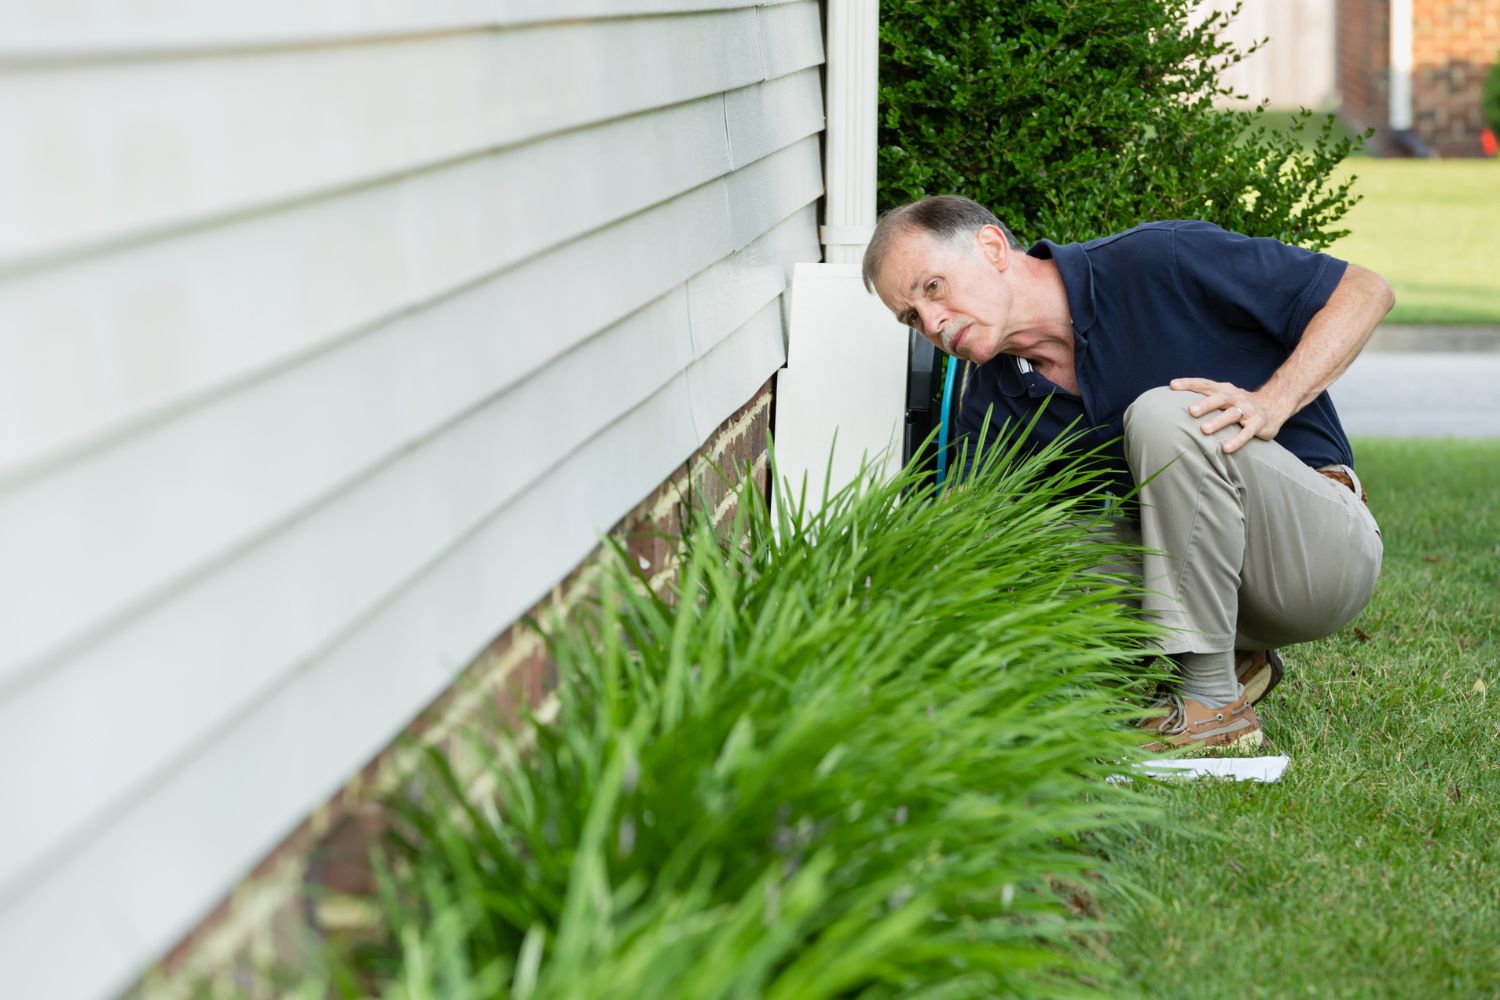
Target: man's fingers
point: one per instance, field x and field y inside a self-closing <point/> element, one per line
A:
<point x="1213" y="401"/>
<point x="1222" y="408"/>
<point x="1221" y="420"/>
<point x="1224" y="403"/>
<point x="1251" y="430"/>
<point x="1234" y="444"/>
<point x="1208" y="387"/>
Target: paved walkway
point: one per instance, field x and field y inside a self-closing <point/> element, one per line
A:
<point x="1481" y="339"/>
<point x="1414" y="381"/>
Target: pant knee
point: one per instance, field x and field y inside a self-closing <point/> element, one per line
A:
<point x="1161" y="410"/>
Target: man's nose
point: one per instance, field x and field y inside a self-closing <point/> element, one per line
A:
<point x="930" y="318"/>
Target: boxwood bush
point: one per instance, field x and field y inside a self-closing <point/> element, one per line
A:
<point x="1073" y="119"/>
<point x="851" y="753"/>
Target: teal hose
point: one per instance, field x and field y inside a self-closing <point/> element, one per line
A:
<point x="942" y="455"/>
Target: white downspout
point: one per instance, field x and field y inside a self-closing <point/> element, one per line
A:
<point x="841" y="399"/>
<point x="849" y="166"/>
<point x="1400" y="79"/>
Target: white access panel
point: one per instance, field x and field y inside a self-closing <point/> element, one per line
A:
<point x="845" y="378"/>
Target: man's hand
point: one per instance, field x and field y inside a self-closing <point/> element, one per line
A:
<point x="1259" y="416"/>
<point x="1330" y="342"/>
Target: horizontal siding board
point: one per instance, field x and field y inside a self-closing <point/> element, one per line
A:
<point x="791" y="37"/>
<point x="142" y="881"/>
<point x="729" y="374"/>
<point x="168" y="679"/>
<point x="95" y="153"/>
<point x="170" y="664"/>
<point x="106" y="28"/>
<point x="361" y="370"/>
<point x="770" y="189"/>
<point x="771" y="115"/>
<point x="378" y="675"/>
<point x="317" y="272"/>
<point x="722" y="296"/>
<point x="75" y="368"/>
<point x="62" y="533"/>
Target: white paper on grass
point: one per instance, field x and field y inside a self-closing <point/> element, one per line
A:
<point x="1265" y="769"/>
<point x="845" y="377"/>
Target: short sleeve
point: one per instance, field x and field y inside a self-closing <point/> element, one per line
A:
<point x="1253" y="282"/>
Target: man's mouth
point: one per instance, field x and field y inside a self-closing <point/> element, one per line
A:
<point x="958" y="338"/>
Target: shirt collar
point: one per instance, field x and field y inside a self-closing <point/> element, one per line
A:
<point x="1077" y="278"/>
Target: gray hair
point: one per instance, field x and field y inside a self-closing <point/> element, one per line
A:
<point x="949" y="218"/>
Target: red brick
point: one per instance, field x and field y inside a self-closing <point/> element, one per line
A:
<point x="341" y="860"/>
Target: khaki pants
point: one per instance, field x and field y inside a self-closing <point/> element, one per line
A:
<point x="1258" y="549"/>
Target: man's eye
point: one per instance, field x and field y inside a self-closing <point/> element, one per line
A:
<point x="932" y="287"/>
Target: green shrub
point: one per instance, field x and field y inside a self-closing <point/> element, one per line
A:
<point x="1492" y="97"/>
<point x="853" y="754"/>
<point x="1076" y="119"/>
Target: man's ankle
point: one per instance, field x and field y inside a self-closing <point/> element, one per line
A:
<point x="1208" y="678"/>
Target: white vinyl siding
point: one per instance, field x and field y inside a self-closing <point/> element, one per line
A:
<point x="329" y="342"/>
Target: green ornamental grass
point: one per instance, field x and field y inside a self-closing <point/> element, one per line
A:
<point x="857" y="752"/>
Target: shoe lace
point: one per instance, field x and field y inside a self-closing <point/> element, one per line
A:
<point x="1175" y="721"/>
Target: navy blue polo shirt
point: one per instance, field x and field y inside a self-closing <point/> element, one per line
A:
<point x="1161" y="301"/>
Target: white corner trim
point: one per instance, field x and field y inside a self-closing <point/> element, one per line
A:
<point x="852" y="236"/>
<point x="849" y="168"/>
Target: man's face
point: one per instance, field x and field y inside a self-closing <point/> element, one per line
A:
<point x="957" y="299"/>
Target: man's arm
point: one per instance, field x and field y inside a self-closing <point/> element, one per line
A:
<point x="1332" y="340"/>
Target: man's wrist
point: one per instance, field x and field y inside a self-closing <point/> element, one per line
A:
<point x="1280" y="401"/>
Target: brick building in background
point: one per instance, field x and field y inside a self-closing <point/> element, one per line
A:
<point x="1415" y="69"/>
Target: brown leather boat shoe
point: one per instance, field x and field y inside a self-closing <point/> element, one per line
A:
<point x="1184" y="722"/>
<point x="1259" y="670"/>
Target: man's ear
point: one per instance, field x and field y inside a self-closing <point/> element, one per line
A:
<point x="994" y="247"/>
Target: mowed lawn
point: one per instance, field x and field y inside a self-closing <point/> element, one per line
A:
<point x="1373" y="868"/>
<point x="1432" y="228"/>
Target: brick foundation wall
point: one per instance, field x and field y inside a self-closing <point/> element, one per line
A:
<point x="1454" y="44"/>
<point x="317" y="881"/>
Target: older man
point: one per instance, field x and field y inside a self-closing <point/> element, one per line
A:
<point x="1206" y="354"/>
